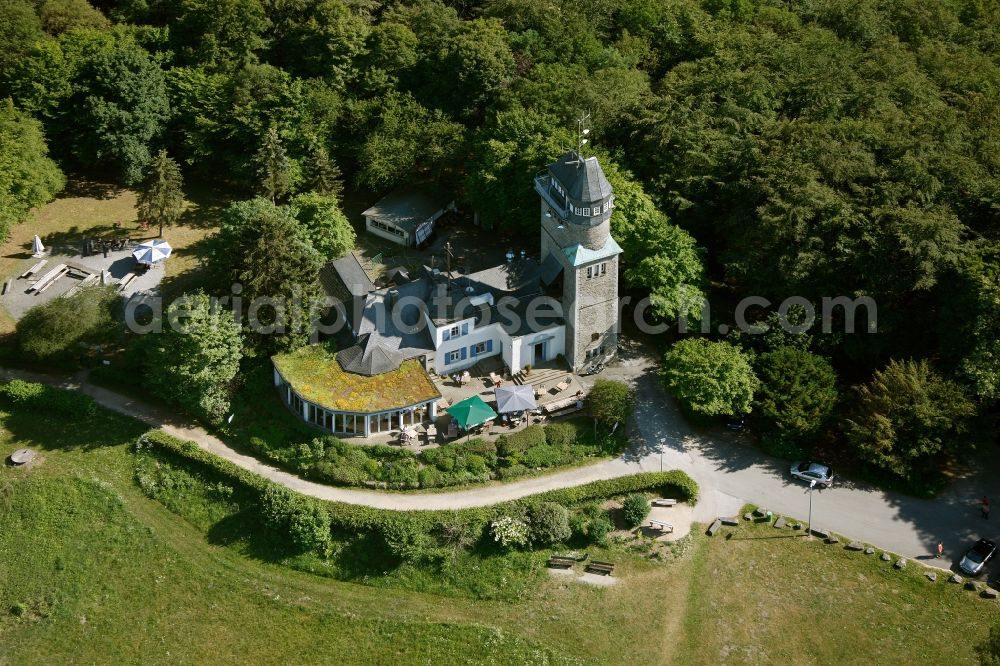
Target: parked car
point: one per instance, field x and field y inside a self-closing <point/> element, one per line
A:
<point x="977" y="557"/>
<point x="812" y="471"/>
<point x="736" y="423"/>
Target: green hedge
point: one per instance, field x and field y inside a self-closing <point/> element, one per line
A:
<point x="350" y="517"/>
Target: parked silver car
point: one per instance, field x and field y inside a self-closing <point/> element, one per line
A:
<point x="977" y="557"/>
<point x="811" y="471"/>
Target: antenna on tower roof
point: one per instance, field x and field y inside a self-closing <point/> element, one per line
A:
<point x="582" y="131"/>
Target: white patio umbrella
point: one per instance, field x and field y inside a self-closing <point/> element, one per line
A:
<point x="152" y="251"/>
<point x="37" y="249"/>
<point x="515" y="398"/>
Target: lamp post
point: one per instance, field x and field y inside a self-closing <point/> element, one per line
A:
<point x="809" y="526"/>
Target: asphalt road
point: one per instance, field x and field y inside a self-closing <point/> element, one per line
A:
<point x="732" y="472"/>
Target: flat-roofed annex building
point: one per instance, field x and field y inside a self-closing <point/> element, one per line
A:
<point x="407" y="215"/>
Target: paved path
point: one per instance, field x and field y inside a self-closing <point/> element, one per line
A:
<point x="729" y="470"/>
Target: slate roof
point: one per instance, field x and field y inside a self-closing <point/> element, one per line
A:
<point x="409" y="206"/>
<point x="551" y="268"/>
<point x="584" y="180"/>
<point x="346" y="281"/>
<point x="370" y="357"/>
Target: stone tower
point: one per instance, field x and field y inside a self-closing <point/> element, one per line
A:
<point x="577" y="202"/>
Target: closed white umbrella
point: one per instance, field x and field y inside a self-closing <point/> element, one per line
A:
<point x="37" y="249"/>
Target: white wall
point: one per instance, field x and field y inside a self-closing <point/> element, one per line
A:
<point x="523" y="348"/>
<point x="404" y="240"/>
<point x="474" y="336"/>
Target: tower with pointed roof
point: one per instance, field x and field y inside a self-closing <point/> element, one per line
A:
<point x="576" y="243"/>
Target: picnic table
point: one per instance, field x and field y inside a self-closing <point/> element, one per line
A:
<point x="49" y="278"/>
<point x="34" y="269"/>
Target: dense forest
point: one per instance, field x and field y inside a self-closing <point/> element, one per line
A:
<point x="774" y="147"/>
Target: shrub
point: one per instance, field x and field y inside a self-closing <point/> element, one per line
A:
<point x="515" y="443"/>
<point x="511" y="472"/>
<point x="610" y="402"/>
<point x="54" y="329"/>
<point x="306" y="522"/>
<point x="542" y="456"/>
<point x="510" y="532"/>
<point x="46" y="400"/>
<point x="635" y="508"/>
<point x="476" y="464"/>
<point x="408" y="542"/>
<point x="429" y="477"/>
<point x="599" y="528"/>
<point x="549" y="523"/>
<point x="566" y="433"/>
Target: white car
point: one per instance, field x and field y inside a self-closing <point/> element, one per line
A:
<point x="811" y="471"/>
<point x="977" y="557"/>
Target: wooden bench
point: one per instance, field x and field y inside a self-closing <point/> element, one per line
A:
<point x="605" y="568"/>
<point x="561" y="562"/>
<point x="125" y="281"/>
<point x="660" y="525"/>
<point x="34" y="269"/>
<point x="664" y="502"/>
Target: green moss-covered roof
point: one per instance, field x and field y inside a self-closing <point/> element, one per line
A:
<point x="314" y="373"/>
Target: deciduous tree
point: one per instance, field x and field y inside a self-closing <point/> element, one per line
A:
<point x="710" y="378"/>
<point x="909" y="421"/>
<point x="196" y="356"/>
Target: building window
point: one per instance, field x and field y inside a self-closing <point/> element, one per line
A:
<point x="453" y="357"/>
<point x="385" y="227"/>
<point x="480" y="348"/>
<point x="586" y="212"/>
<point x="597" y="270"/>
<point x="455" y="331"/>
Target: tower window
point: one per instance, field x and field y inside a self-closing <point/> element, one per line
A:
<point x="597" y="270"/>
<point x="586" y="212"/>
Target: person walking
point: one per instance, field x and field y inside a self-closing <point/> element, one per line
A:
<point x="940" y="550"/>
<point x="986" y="507"/>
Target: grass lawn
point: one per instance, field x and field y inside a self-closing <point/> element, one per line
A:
<point x="770" y="596"/>
<point x="96" y="571"/>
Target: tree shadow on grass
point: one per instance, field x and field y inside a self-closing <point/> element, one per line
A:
<point x="53" y="431"/>
<point x="89" y="188"/>
<point x="199" y="277"/>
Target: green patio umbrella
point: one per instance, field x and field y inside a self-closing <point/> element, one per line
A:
<point x="471" y="412"/>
